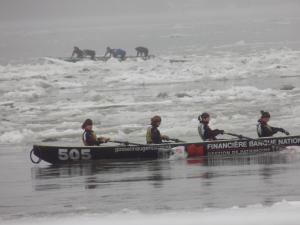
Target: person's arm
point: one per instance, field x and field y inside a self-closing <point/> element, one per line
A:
<point x="278" y="129"/>
<point x="102" y="140"/>
<point x="211" y="134"/>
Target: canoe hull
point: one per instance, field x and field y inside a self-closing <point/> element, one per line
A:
<point x="71" y="154"/>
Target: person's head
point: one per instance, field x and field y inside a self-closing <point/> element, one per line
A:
<point x="108" y="49"/>
<point x="76" y="48"/>
<point x="204" y="117"/>
<point x="155" y="121"/>
<point x="265" y="116"/>
<point x="87" y="124"/>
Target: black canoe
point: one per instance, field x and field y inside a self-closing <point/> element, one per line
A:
<point x="71" y="154"/>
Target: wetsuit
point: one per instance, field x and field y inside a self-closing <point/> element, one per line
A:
<point x="142" y="51"/>
<point x="91" y="53"/>
<point x="153" y="135"/>
<point x="206" y="133"/>
<point x="118" y="53"/>
<point x="264" y="130"/>
<point x="89" y="138"/>
<point x="79" y="53"/>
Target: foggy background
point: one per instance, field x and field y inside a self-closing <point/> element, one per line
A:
<point x="38" y="28"/>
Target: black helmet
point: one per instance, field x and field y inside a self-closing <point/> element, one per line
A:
<point x="203" y="115"/>
<point x="86" y="123"/>
<point x="265" y="114"/>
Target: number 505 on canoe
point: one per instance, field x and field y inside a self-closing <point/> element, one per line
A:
<point x="74" y="154"/>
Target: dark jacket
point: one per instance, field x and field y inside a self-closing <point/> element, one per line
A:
<point x="264" y="130"/>
<point x="153" y="135"/>
<point x="206" y="133"/>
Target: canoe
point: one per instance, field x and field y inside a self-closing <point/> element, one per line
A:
<point x="75" y="154"/>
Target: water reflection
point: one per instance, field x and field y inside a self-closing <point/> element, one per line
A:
<point x="101" y="174"/>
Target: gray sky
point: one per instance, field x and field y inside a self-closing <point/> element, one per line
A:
<point x="55" y="9"/>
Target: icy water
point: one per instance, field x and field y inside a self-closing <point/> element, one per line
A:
<point x="231" y="65"/>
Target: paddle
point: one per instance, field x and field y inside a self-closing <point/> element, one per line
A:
<point x="124" y="142"/>
<point x="175" y="140"/>
<point x="242" y="136"/>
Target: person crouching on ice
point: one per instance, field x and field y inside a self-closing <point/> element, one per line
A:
<point x="89" y="137"/>
<point x="264" y="130"/>
<point x="204" y="130"/>
<point x="153" y="135"/>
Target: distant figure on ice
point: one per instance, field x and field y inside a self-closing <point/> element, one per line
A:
<point x="142" y="51"/>
<point x="204" y="130"/>
<point x="83" y="53"/>
<point x="116" y="53"/>
<point x="264" y="130"/>
<point x="89" y="137"/>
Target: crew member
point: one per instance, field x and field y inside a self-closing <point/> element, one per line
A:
<point x="82" y="53"/>
<point x="116" y="53"/>
<point x="205" y="132"/>
<point x="142" y="51"/>
<point x="153" y="135"/>
<point x="89" y="137"/>
<point x="264" y="130"/>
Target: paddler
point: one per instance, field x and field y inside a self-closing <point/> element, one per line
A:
<point x="265" y="130"/>
<point x="89" y="137"/>
<point x="116" y="53"/>
<point x="205" y="132"/>
<point x="153" y="135"/>
<point x="81" y="53"/>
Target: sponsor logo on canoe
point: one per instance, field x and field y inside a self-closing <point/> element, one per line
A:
<point x="142" y="148"/>
<point x="248" y="144"/>
<point x="195" y="150"/>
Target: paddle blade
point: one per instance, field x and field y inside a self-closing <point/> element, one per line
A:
<point x="178" y="153"/>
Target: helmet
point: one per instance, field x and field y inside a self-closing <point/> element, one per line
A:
<point x="155" y="119"/>
<point x="87" y="122"/>
<point x="265" y="114"/>
<point x="203" y="115"/>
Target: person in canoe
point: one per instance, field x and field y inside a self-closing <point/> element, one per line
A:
<point x="89" y="137"/>
<point x="83" y="53"/>
<point x="265" y="130"/>
<point x="142" y="52"/>
<point x="153" y="135"/>
<point x="116" y="53"/>
<point x="205" y="132"/>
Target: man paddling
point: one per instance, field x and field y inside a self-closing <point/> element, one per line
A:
<point x="82" y="53"/>
<point x="116" y="53"/>
<point x="205" y="132"/>
<point x="89" y="137"/>
<point x="142" y="51"/>
<point x="153" y="135"/>
<point x="265" y="130"/>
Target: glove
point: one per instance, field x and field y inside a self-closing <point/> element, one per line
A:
<point x="221" y="131"/>
<point x="286" y="132"/>
<point x="103" y="139"/>
<point x="165" y="137"/>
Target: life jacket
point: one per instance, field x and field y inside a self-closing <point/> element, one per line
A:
<point x="89" y="138"/>
<point x="263" y="129"/>
<point x="148" y="136"/>
<point x="201" y="131"/>
<point x="153" y="136"/>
